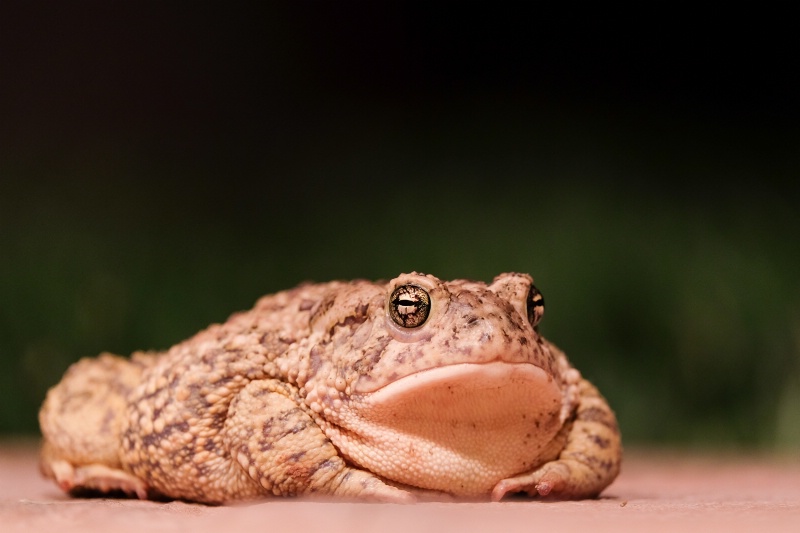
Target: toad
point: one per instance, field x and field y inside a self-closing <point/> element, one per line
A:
<point x="356" y="390"/>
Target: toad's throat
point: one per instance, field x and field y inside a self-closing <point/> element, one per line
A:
<point x="465" y="425"/>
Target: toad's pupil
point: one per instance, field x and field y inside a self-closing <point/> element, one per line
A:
<point x="410" y="306"/>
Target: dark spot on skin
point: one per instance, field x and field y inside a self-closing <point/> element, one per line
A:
<point x="327" y="464"/>
<point x="274" y="343"/>
<point x="217" y="422"/>
<point x="296" y="456"/>
<point x="470" y="321"/>
<point x="523" y="341"/>
<point x="155" y="438"/>
<point x="599" y="441"/>
<point x="510" y="323"/>
<point x="350" y="320"/>
<point x="288" y="414"/>
<point x="358" y="317"/>
<point x="597" y="465"/>
<point x="315" y="359"/>
<point x="108" y="418"/>
<point x="401" y="357"/>
<point x="594" y="414"/>
<point x="210" y="356"/>
<point x="323" y="307"/>
<point x="371" y="356"/>
<point x="299" y="427"/>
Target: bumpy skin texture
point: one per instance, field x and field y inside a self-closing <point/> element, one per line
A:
<point x="325" y="389"/>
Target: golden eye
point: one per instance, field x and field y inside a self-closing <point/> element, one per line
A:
<point x="535" y="305"/>
<point x="409" y="306"/>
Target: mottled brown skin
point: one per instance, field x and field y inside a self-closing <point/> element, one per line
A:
<point x="323" y="389"/>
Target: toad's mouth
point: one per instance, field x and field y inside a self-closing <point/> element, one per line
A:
<point x="464" y="426"/>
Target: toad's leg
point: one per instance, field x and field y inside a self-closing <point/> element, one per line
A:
<point x="80" y="421"/>
<point x="78" y="478"/>
<point x="589" y="461"/>
<point x="276" y="441"/>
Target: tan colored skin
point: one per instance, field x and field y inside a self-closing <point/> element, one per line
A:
<point x="319" y="390"/>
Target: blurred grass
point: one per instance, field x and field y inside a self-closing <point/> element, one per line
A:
<point x="668" y="261"/>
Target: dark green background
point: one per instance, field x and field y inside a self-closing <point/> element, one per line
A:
<point x="163" y="167"/>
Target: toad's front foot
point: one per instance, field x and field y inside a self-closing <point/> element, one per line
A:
<point x="557" y="479"/>
<point x="588" y="463"/>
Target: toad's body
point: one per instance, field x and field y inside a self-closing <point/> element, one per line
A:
<point x="354" y="389"/>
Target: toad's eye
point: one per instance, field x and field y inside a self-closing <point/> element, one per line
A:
<point x="535" y="306"/>
<point x="409" y="306"/>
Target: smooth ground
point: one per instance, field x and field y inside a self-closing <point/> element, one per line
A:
<point x="655" y="492"/>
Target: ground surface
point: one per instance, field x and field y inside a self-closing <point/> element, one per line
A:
<point x="655" y="492"/>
